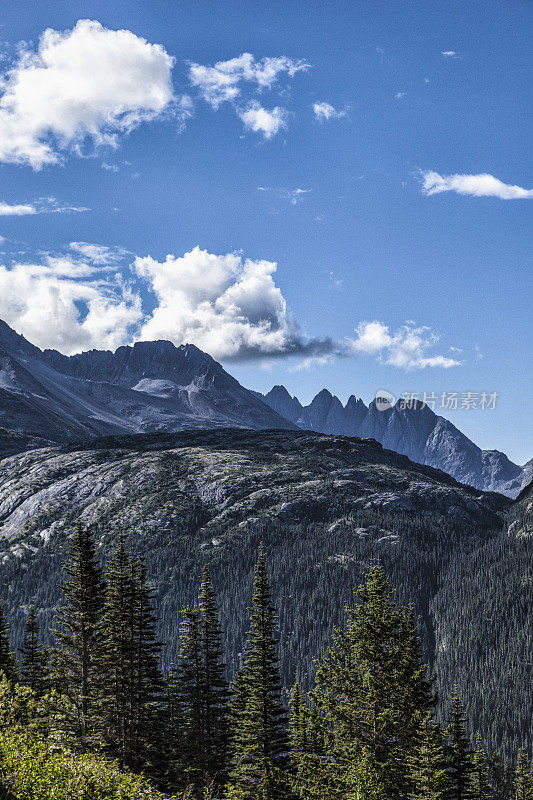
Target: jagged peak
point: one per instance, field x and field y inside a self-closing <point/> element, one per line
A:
<point x="280" y="391"/>
<point x="355" y="402"/>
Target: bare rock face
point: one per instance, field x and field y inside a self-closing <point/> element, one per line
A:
<point x="415" y="431"/>
<point x="234" y="475"/>
<point x="151" y="386"/>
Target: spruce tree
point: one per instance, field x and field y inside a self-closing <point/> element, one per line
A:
<point x="480" y="788"/>
<point x="428" y="765"/>
<point x="523" y="789"/>
<point x="174" y="745"/>
<point x="147" y="680"/>
<point x="188" y="685"/>
<point x="116" y="677"/>
<point x="8" y="662"/>
<point x="78" y="636"/>
<point x="459" y="754"/>
<point x="131" y="684"/>
<point x="214" y="687"/>
<point x="500" y="775"/>
<point x="259" y="745"/>
<point x="372" y="692"/>
<point x="298" y="724"/>
<point x="34" y="669"/>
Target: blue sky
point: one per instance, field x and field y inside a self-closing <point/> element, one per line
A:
<point x="377" y="153"/>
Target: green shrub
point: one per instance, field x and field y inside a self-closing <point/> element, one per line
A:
<point x="32" y="770"/>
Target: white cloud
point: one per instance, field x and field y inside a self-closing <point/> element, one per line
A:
<point x="7" y="210"/>
<point x="226" y="81"/>
<point x="224" y="304"/>
<point x="64" y="303"/>
<point x="406" y="348"/>
<point x="228" y="305"/>
<point x="99" y="254"/>
<point x="223" y="81"/>
<point x="399" y="95"/>
<point x="260" y="120"/>
<point x="450" y="54"/>
<point x="86" y="83"/>
<point x="44" y="205"/>
<point x="483" y="185"/>
<point x="325" y="111"/>
<point x="292" y="195"/>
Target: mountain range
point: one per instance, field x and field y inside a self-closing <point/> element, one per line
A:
<point x="411" y="429"/>
<point x="47" y="397"/>
<point x="151" y="386"/>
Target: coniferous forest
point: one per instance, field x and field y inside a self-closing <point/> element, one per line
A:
<point x="95" y="716"/>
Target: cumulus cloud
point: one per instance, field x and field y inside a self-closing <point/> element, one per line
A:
<point x="64" y="303"/>
<point x="225" y="304"/>
<point x="408" y="347"/>
<point x="44" y="205"/>
<point x="260" y="120"/>
<point x="224" y="80"/>
<point x="91" y="296"/>
<point x="483" y="185"/>
<point x="88" y="83"/>
<point x="325" y="111"/>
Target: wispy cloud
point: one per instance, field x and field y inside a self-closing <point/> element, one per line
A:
<point x="292" y="195"/>
<point x="450" y="54"/>
<point x="44" y="205"/>
<point x="99" y="254"/>
<point x="223" y="81"/>
<point x="482" y="185"/>
<point x="325" y="111"/>
<point x="399" y="95"/>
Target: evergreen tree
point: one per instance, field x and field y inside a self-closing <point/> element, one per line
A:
<point x="78" y="636"/>
<point x="298" y="724"/>
<point x="131" y="685"/>
<point x="117" y="678"/>
<point x="187" y="687"/>
<point x="174" y="745"/>
<point x="34" y="670"/>
<point x="214" y="688"/>
<point x="523" y="789"/>
<point x="259" y="746"/>
<point x="428" y="765"/>
<point x="8" y="662"/>
<point x="372" y="692"/>
<point x="480" y="788"/>
<point x="500" y="776"/>
<point x="147" y="680"/>
<point x="459" y="754"/>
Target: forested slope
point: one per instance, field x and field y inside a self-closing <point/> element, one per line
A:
<point x="322" y="505"/>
